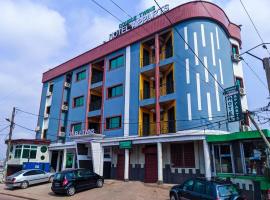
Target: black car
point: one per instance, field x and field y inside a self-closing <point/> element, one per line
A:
<point x="203" y="189"/>
<point x="71" y="181"/>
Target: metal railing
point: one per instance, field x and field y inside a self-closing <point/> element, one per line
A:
<point x="149" y="129"/>
<point x="164" y="89"/>
<point x="97" y="77"/>
<point x="95" y="105"/>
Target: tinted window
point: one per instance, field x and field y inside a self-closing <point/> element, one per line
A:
<point x="84" y="173"/>
<point x="227" y="190"/>
<point x="117" y="62"/>
<point x="30" y="173"/>
<point x="18" y="173"/>
<point x="58" y="176"/>
<point x="188" y="185"/>
<point x="199" y="187"/>
<point x="39" y="172"/>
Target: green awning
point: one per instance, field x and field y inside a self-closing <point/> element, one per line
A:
<point x="237" y="136"/>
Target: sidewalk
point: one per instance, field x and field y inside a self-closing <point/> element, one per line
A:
<point x="113" y="190"/>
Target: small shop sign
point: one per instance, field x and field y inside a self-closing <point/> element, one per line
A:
<point x="233" y="104"/>
<point x="88" y="132"/>
<point x="125" y="144"/>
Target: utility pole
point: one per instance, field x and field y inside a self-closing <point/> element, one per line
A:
<point x="266" y="66"/>
<point x="11" y="127"/>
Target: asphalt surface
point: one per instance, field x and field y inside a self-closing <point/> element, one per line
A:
<point x="8" y="197"/>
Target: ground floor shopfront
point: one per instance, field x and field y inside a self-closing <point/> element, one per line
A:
<point x="244" y="158"/>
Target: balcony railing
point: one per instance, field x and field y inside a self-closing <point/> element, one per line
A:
<point x="95" y="105"/>
<point x="148" y="129"/>
<point x="97" y="77"/>
<point x="164" y="89"/>
<point x="147" y="60"/>
<point x="167" y="53"/>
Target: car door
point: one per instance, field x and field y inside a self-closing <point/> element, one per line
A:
<point x="199" y="190"/>
<point x="31" y="176"/>
<point x="82" y="179"/>
<point x="43" y="177"/>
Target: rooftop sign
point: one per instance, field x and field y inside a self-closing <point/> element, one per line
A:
<point x="138" y="20"/>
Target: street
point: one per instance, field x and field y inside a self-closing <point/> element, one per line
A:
<point x="114" y="190"/>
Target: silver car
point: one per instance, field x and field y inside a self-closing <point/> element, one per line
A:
<point x="24" y="178"/>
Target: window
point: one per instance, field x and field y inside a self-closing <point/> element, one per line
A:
<point x="239" y="82"/>
<point x="43" y="149"/>
<point x="199" y="187"/>
<point x="48" y="110"/>
<point x="188" y="185"/>
<point x="223" y="158"/>
<point x="76" y="127"/>
<point x="256" y="157"/>
<point x="69" y="77"/>
<point x="18" y="151"/>
<point x="115" y="91"/>
<point x="81" y="75"/>
<point x="117" y="62"/>
<point x="78" y="101"/>
<point x="51" y="87"/>
<point x="182" y="155"/>
<point x="29" y="152"/>
<point x="235" y="50"/>
<point x="113" y="122"/>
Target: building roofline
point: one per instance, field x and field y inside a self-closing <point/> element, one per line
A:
<point x="178" y="14"/>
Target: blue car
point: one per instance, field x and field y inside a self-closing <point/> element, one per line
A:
<point x="203" y="189"/>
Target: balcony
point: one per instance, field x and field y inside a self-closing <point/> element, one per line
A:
<point x="95" y="105"/>
<point x="148" y="129"/>
<point x="94" y="124"/>
<point x="97" y="76"/>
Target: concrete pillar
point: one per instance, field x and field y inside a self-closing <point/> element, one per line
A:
<point x="97" y="157"/>
<point x="160" y="163"/>
<point x="58" y="161"/>
<point x="207" y="164"/>
<point x="64" y="159"/>
<point x="126" y="174"/>
<point x="157" y="89"/>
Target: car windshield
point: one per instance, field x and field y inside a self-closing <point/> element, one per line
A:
<point x="227" y="190"/>
<point x="18" y="173"/>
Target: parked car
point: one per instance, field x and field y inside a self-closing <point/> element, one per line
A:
<point x="203" y="189"/>
<point x="24" y="178"/>
<point x="71" y="181"/>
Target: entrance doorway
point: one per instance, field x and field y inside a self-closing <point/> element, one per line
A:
<point x="151" y="170"/>
<point x="120" y="167"/>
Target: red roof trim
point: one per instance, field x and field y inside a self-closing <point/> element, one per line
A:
<point x="179" y="14"/>
<point x="29" y="141"/>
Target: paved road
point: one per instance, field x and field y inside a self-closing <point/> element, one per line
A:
<point x="6" y="197"/>
<point x="113" y="190"/>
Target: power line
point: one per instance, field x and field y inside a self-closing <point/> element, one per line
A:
<point x="257" y="76"/>
<point x="4" y="128"/>
<point x="189" y="46"/>
<point x="256" y="29"/>
<point x="106" y="10"/>
<point x="120" y="8"/>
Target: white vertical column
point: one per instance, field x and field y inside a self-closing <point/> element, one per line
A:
<point x="58" y="161"/>
<point x="126" y="173"/>
<point x="207" y="164"/>
<point x="196" y="50"/>
<point x="213" y="48"/>
<point x="186" y="37"/>
<point x="64" y="159"/>
<point x="160" y="163"/>
<point x="199" y="98"/>
<point x="189" y="107"/>
<point x="127" y="93"/>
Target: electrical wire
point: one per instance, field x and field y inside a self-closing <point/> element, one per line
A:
<point x="253" y="24"/>
<point x="189" y="46"/>
<point x="257" y="76"/>
<point x="4" y="128"/>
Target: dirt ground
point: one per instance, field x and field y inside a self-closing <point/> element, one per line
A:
<point x="112" y="190"/>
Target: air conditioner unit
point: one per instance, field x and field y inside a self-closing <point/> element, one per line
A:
<point x="242" y="91"/>
<point x="64" y="107"/>
<point x="62" y="134"/>
<point x="49" y="94"/>
<point x="236" y="57"/>
<point x="37" y="128"/>
<point x="46" y="116"/>
<point x="67" y="85"/>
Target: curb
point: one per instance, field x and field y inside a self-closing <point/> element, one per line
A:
<point x="14" y="195"/>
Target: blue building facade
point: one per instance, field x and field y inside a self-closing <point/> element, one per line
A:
<point x="141" y="111"/>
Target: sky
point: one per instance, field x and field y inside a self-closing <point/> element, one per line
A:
<point x="37" y="35"/>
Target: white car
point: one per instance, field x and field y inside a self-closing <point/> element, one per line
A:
<point x="24" y="178"/>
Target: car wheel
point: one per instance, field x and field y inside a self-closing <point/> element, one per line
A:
<point x="24" y="185"/>
<point x="71" y="191"/>
<point x="173" y="197"/>
<point x="99" y="183"/>
<point x="51" y="179"/>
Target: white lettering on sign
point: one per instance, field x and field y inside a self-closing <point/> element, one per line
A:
<point x="139" y="20"/>
<point x="82" y="133"/>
